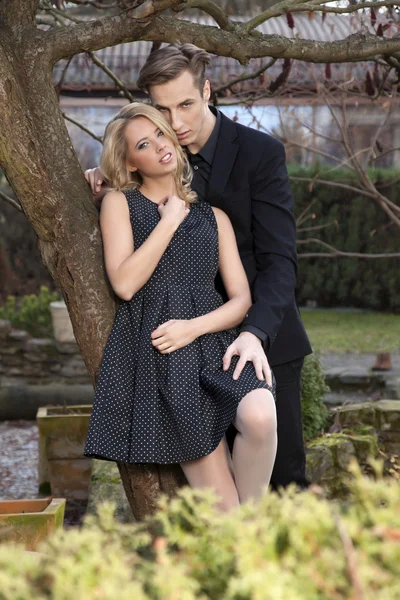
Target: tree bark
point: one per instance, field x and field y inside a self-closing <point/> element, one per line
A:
<point x="143" y="485"/>
<point x="37" y="157"/>
<point x="41" y="166"/>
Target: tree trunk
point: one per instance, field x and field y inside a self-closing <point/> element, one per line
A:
<point x="144" y="483"/>
<point x="41" y="166"/>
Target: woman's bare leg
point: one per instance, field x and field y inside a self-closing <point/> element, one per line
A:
<point x="213" y="471"/>
<point x="255" y="444"/>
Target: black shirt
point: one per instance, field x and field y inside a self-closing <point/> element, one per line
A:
<point x="202" y="165"/>
<point x="203" y="160"/>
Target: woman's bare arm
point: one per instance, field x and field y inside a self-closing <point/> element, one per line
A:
<point x="235" y="281"/>
<point x="129" y="270"/>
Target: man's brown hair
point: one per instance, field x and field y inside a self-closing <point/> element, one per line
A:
<point x="166" y="64"/>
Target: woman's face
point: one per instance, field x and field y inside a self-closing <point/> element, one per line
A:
<point x="149" y="152"/>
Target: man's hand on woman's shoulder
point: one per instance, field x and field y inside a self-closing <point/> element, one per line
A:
<point x="95" y="179"/>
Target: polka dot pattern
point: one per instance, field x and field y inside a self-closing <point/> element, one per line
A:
<point x="167" y="408"/>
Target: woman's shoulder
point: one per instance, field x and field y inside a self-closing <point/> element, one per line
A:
<point x="114" y="197"/>
<point x="221" y="217"/>
<point x="113" y="203"/>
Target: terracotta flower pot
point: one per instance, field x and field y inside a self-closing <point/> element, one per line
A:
<point x="63" y="470"/>
<point x="29" y="521"/>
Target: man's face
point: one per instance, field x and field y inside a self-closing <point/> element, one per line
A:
<point x="183" y="106"/>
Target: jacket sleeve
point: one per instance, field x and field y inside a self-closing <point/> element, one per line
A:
<point x="274" y="239"/>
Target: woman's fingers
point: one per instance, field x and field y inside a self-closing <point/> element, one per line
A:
<point x="168" y="350"/>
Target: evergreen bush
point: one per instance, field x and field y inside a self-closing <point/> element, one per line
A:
<point x="315" y="413"/>
<point x="294" y="546"/>
<point x="357" y="225"/>
<point x="31" y="313"/>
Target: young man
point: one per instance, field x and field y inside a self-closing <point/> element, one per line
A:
<point x="243" y="172"/>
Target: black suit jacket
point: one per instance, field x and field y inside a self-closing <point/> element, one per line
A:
<point x="249" y="181"/>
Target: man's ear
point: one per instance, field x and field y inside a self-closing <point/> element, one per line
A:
<point x="207" y="90"/>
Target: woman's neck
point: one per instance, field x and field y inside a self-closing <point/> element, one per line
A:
<point x="158" y="189"/>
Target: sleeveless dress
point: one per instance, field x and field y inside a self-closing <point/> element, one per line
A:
<point x="167" y="408"/>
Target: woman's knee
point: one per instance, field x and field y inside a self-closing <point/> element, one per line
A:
<point x="256" y="417"/>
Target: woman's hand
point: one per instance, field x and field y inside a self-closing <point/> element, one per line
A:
<point x="173" y="208"/>
<point x="172" y="335"/>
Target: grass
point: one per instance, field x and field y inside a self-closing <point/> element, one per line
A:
<point x="336" y="331"/>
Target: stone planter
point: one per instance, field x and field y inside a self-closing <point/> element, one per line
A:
<point x="29" y="521"/>
<point x="62" y="326"/>
<point x="63" y="470"/>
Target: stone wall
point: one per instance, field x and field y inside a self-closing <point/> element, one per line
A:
<point x="29" y="360"/>
<point x="365" y="431"/>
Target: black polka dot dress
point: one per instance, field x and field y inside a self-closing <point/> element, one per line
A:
<point x="167" y="408"/>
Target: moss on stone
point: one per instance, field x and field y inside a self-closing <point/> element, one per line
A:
<point x="45" y="488"/>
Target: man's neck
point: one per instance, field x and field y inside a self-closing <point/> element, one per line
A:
<point x="209" y="124"/>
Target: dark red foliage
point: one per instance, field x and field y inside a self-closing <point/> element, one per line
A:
<point x="282" y="77"/>
<point x="290" y="20"/>
<point x="328" y="71"/>
<point x="373" y="17"/>
<point x="369" y="84"/>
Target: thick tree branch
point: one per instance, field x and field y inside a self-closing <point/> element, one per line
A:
<point x="125" y="26"/>
<point x="17" y="14"/>
<point x="143" y="24"/>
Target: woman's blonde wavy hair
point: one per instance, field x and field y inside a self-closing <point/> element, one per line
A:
<point x="113" y="159"/>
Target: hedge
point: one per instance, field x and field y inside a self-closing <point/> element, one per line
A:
<point x="361" y="226"/>
<point x="296" y="546"/>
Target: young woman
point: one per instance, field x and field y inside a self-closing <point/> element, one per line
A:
<point x="164" y="394"/>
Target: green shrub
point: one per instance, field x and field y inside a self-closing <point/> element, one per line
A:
<point x="315" y="413"/>
<point x="289" y="547"/>
<point x="32" y="313"/>
<point x="357" y="225"/>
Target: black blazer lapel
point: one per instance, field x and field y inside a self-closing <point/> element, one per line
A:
<point x="224" y="158"/>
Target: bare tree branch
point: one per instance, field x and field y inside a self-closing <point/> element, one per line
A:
<point x="316" y="227"/>
<point x="323" y="136"/>
<point x="59" y="85"/>
<point x="112" y="76"/>
<point x="13" y="203"/>
<point x="334" y="252"/>
<point x="85" y="129"/>
<point x="246" y="77"/>
<point x="292" y="6"/>
<point x="99" y="5"/>
<point x="396" y="149"/>
<point x="210" y="8"/>
<point x="351" y="188"/>
<point x="303" y="215"/>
